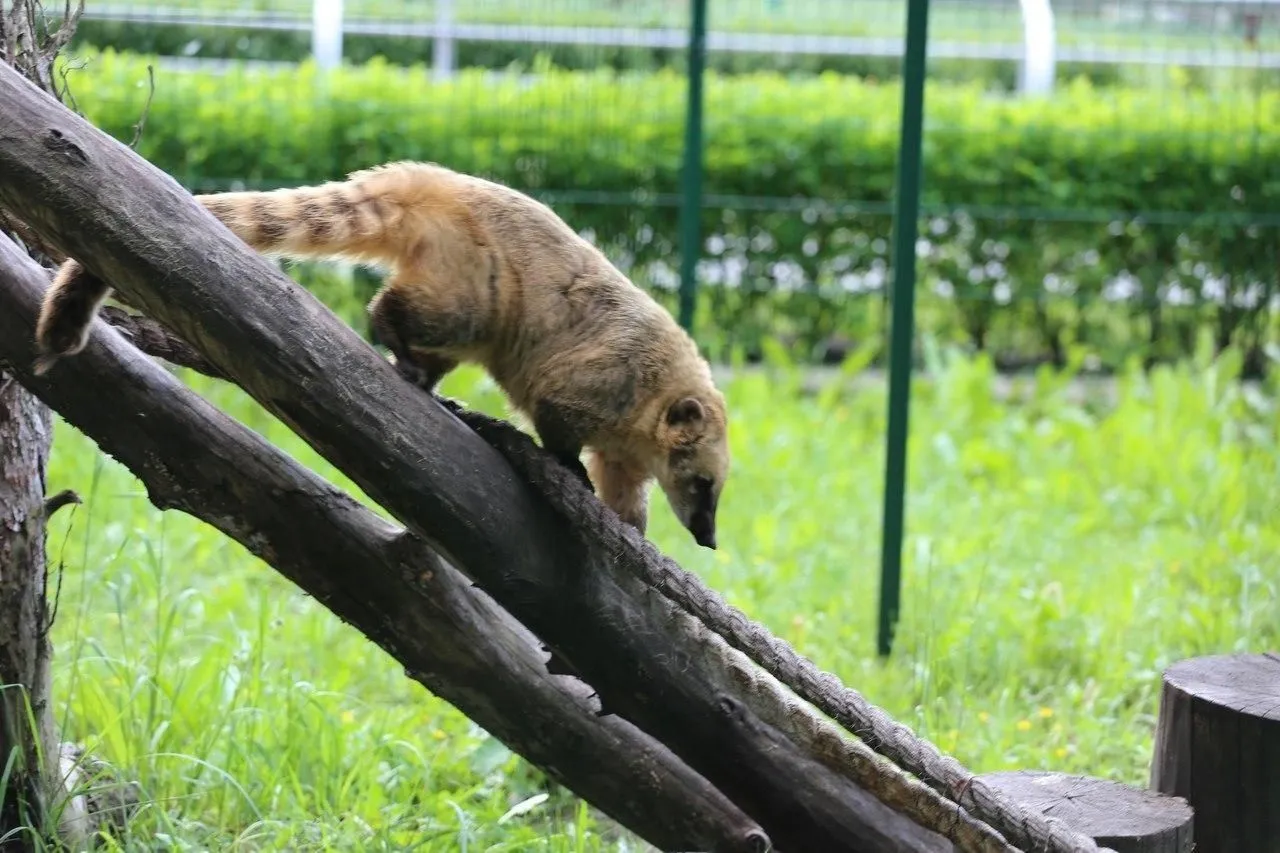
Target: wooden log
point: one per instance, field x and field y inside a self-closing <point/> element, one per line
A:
<point x="450" y="637"/>
<point x="1120" y="817"/>
<point x="137" y="228"/>
<point x="1218" y="745"/>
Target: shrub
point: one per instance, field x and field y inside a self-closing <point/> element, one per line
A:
<point x="1121" y="221"/>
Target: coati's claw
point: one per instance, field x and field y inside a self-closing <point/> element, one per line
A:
<point x="43" y="362"/>
<point x="575" y="466"/>
<point x="408" y="370"/>
<point x="449" y="403"/>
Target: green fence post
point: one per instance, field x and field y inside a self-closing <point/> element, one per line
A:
<point x="691" y="173"/>
<point x="905" y="215"/>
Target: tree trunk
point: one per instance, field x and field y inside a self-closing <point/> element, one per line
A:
<point x="26" y="725"/>
<point x="29" y="751"/>
<point x="1218" y="745"/>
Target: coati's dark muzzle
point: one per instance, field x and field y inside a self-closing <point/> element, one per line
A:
<point x="702" y="524"/>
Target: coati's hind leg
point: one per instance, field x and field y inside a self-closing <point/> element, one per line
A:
<point x="623" y="487"/>
<point x="403" y="329"/>
<point x="67" y="313"/>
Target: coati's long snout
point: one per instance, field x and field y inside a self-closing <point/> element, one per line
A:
<point x="703" y="528"/>
<point x="695" y="430"/>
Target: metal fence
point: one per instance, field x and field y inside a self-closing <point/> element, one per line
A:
<point x="1100" y="180"/>
<point x="1034" y="33"/>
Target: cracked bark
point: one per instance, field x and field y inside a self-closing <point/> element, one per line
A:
<point x="26" y="724"/>
<point x="28" y="743"/>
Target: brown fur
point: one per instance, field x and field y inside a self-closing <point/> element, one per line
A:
<point x="478" y="272"/>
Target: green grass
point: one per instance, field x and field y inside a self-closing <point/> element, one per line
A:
<point x="1060" y="553"/>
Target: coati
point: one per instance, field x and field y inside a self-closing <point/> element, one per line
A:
<point x="479" y="272"/>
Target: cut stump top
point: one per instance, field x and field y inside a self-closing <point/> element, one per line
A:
<point x="1122" y="817"/>
<point x="1246" y="684"/>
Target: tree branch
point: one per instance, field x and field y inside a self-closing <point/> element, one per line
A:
<point x="449" y="636"/>
<point x="137" y="228"/>
<point x="155" y="340"/>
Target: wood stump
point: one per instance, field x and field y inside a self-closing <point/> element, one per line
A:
<point x="1124" y="818"/>
<point x="1218" y="746"/>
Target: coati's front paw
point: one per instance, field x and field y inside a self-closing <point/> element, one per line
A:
<point x="408" y="370"/>
<point x="449" y="403"/>
<point x="575" y="466"/>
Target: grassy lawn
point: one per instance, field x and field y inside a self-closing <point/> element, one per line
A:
<point x="1060" y="553"/>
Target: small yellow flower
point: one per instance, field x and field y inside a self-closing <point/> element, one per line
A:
<point x="437" y="734"/>
<point x="1046" y="712"/>
<point x="1024" y="725"/>
<point x="348" y="716"/>
<point x="983" y="716"/>
<point x="1060" y="752"/>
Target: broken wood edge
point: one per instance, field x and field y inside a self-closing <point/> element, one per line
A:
<point x="450" y="637"/>
<point x="157" y="341"/>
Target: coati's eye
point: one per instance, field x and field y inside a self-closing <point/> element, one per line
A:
<point x="702" y="483"/>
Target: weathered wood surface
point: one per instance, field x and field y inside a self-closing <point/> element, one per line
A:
<point x="1218" y="745"/>
<point x="26" y="431"/>
<point x="449" y="636"/>
<point x="1120" y="817"/>
<point x="136" y="227"/>
<point x="30" y="793"/>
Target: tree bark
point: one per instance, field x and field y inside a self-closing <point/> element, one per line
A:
<point x="26" y="724"/>
<point x="138" y="229"/>
<point x="1218" y="745"/>
<point x="1124" y="818"/>
<point x="28" y="743"/>
<point x="449" y="636"/>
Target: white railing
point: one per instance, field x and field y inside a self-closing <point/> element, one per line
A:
<point x="1038" y="66"/>
<point x="1038" y="52"/>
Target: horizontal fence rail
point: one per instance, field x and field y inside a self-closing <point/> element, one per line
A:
<point x="329" y="24"/>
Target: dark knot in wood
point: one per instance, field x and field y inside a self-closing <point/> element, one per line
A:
<point x="55" y="140"/>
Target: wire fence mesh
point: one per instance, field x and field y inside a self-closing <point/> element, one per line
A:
<point x="1100" y="182"/>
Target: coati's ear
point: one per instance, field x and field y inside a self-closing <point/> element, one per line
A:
<point x="686" y="410"/>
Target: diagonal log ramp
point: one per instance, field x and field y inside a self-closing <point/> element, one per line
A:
<point x="450" y="637"/>
<point x="139" y="229"/>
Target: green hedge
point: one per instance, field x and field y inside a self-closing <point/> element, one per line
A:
<point x="1122" y="220"/>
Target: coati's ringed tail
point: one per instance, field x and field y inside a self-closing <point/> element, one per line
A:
<point x="478" y="272"/>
